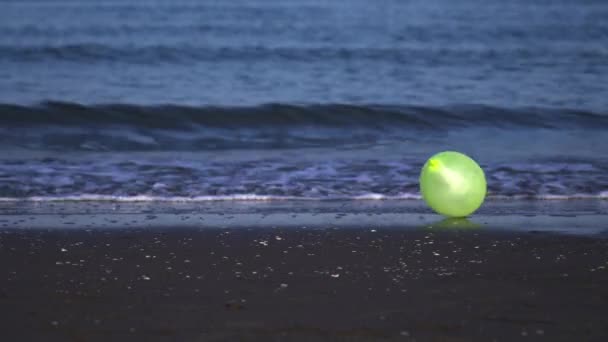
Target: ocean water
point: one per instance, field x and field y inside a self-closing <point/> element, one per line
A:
<point x="299" y="99"/>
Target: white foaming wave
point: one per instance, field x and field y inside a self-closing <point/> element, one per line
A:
<point x="551" y="197"/>
<point x="375" y="196"/>
<point x="601" y="195"/>
<point x="262" y="198"/>
<point x="238" y="197"/>
<point x="146" y="198"/>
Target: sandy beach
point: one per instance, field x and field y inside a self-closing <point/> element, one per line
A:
<point x="449" y="282"/>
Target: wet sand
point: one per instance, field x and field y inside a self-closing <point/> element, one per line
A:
<point x="301" y="284"/>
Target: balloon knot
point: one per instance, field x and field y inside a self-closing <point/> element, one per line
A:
<point x="434" y="164"/>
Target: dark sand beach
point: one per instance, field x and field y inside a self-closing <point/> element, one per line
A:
<point x="453" y="281"/>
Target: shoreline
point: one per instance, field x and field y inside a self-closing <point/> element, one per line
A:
<point x="580" y="217"/>
<point x="587" y="225"/>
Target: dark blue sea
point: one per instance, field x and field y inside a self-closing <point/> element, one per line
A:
<point x="299" y="99"/>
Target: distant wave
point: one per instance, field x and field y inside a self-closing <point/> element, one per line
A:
<point x="120" y="127"/>
<point x="152" y="54"/>
<point x="327" y="115"/>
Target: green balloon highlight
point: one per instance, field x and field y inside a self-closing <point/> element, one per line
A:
<point x="452" y="184"/>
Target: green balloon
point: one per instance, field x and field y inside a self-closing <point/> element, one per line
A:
<point x="452" y="184"/>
